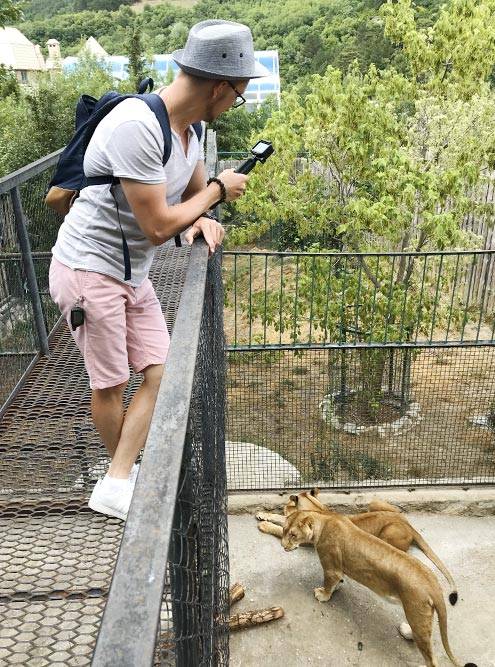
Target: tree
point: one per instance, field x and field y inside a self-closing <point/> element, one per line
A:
<point x="135" y="51"/>
<point x="8" y="83"/>
<point x="10" y="12"/>
<point x="396" y="161"/>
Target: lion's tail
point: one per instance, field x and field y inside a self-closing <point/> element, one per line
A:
<point x="428" y="551"/>
<point x="439" y="606"/>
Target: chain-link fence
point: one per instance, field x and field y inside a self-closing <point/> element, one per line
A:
<point x="169" y="591"/>
<point x="349" y="370"/>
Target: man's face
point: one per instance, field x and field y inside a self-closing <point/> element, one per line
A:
<point x="222" y="98"/>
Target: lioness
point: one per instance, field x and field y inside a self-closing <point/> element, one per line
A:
<point x="343" y="548"/>
<point x="382" y="520"/>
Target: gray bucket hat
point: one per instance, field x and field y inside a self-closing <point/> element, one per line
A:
<point x="220" y="50"/>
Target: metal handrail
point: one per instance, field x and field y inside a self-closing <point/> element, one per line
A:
<point x="139" y="577"/>
<point x="23" y="174"/>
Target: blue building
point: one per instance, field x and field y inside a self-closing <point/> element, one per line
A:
<point x="163" y="65"/>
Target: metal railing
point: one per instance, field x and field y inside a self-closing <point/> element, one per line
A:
<point x="27" y="232"/>
<point x="186" y="441"/>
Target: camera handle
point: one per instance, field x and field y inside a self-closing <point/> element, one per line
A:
<point x="246" y="166"/>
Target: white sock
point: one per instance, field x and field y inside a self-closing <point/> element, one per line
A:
<point x="115" y="483"/>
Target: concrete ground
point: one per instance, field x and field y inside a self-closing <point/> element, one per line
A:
<point x="357" y="627"/>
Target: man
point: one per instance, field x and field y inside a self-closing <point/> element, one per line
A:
<point x="123" y="323"/>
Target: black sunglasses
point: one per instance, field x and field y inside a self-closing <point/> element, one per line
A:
<point x="240" y="100"/>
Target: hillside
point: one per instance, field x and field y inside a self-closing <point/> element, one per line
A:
<point x="139" y="6"/>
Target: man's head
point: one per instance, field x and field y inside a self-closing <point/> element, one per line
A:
<point x="216" y="96"/>
<point x="219" y="58"/>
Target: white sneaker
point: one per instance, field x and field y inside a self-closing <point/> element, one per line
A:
<point x="112" y="497"/>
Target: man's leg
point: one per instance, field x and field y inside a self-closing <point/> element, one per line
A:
<point x="107" y="409"/>
<point x="134" y="429"/>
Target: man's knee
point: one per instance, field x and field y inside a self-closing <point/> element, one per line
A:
<point x="110" y="394"/>
<point x="153" y="375"/>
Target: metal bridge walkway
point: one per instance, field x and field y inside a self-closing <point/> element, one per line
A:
<point x="56" y="555"/>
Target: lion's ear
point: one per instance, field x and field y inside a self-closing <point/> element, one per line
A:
<point x="295" y="499"/>
<point x="315" y="491"/>
<point x="309" y="522"/>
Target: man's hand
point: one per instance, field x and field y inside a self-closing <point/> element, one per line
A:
<point x="235" y="184"/>
<point x="212" y="231"/>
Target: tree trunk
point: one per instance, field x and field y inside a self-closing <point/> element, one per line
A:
<point x="372" y="363"/>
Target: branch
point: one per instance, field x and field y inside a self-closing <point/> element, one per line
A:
<point x="250" y="618"/>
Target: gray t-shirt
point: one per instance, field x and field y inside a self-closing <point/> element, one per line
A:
<point x="128" y="143"/>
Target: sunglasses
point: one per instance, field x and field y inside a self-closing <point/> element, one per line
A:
<point x="239" y="100"/>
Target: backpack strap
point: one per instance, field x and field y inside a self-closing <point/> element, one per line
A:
<point x="157" y="105"/>
<point x="198" y="128"/>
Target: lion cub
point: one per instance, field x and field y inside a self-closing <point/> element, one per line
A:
<point x="382" y="520"/>
<point x="345" y="549"/>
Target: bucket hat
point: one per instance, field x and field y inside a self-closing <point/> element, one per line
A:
<point x="220" y="50"/>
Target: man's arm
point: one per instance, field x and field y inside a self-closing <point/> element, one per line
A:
<point x="160" y="222"/>
<point x="197" y="182"/>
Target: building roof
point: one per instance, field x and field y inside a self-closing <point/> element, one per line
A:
<point x="18" y="52"/>
<point x="94" y="48"/>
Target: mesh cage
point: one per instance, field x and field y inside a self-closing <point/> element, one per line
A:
<point x="18" y="336"/>
<point x="199" y="566"/>
<point x="348" y="370"/>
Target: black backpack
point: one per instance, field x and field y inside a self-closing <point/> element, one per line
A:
<point x="69" y="178"/>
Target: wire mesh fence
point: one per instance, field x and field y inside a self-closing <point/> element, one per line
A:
<point x="28" y="230"/>
<point x="352" y="370"/>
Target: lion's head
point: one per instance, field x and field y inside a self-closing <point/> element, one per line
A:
<point x="306" y="501"/>
<point x="298" y="529"/>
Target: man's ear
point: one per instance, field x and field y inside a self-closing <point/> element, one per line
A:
<point x="218" y="89"/>
<point x="315" y="491"/>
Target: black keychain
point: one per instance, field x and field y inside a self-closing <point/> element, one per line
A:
<point x="76" y="316"/>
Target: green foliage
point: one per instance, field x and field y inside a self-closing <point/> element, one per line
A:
<point x="135" y="51"/>
<point x="395" y="159"/>
<point x="235" y="127"/>
<point x="42" y="118"/>
<point x="8" y="83"/>
<point x="309" y="35"/>
<point x="43" y="9"/>
<point x="10" y="11"/>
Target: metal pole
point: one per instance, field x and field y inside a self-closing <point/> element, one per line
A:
<point x="29" y="272"/>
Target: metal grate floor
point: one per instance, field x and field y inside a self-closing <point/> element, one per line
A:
<point x="56" y="556"/>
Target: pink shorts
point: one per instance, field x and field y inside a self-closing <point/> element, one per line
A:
<point x="123" y="325"/>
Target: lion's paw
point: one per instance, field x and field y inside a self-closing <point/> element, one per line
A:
<point x="263" y="516"/>
<point x="321" y="595"/>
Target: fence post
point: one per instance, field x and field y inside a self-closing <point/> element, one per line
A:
<point x="211" y="153"/>
<point x="29" y="272"/>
